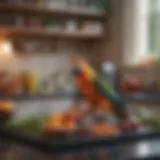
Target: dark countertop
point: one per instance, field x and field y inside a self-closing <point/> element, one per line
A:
<point x="129" y="146"/>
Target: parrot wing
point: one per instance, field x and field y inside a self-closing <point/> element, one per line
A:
<point x="107" y="91"/>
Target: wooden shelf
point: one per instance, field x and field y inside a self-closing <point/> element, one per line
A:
<point x="41" y="97"/>
<point x="81" y="14"/>
<point x="142" y="98"/>
<point x="135" y="98"/>
<point x="32" y="33"/>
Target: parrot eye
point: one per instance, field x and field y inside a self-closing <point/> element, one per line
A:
<point x="76" y="71"/>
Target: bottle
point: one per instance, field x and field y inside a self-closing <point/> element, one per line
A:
<point x="57" y="4"/>
<point x="82" y="4"/>
<point x="109" y="72"/>
<point x="73" y="4"/>
<point x="40" y="3"/>
<point x="97" y="4"/>
<point x="71" y="26"/>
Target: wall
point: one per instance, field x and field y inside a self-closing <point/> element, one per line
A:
<point x="109" y="49"/>
<point x="113" y="46"/>
<point x="48" y="61"/>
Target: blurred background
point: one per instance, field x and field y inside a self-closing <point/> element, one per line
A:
<point x="41" y="97"/>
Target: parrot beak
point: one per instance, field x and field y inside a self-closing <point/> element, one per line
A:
<point x="76" y="71"/>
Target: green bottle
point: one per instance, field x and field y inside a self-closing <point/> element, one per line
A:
<point x="98" y="4"/>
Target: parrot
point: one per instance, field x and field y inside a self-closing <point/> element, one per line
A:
<point x="96" y="90"/>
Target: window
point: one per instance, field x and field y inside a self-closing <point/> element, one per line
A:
<point x="154" y="27"/>
<point x="141" y="29"/>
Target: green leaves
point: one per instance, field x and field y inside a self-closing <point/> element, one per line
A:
<point x="153" y="122"/>
<point x="32" y="124"/>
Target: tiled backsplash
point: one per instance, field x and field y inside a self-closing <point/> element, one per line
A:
<point x="29" y="108"/>
<point x="41" y="65"/>
<point x="50" y="60"/>
<point x="44" y="65"/>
